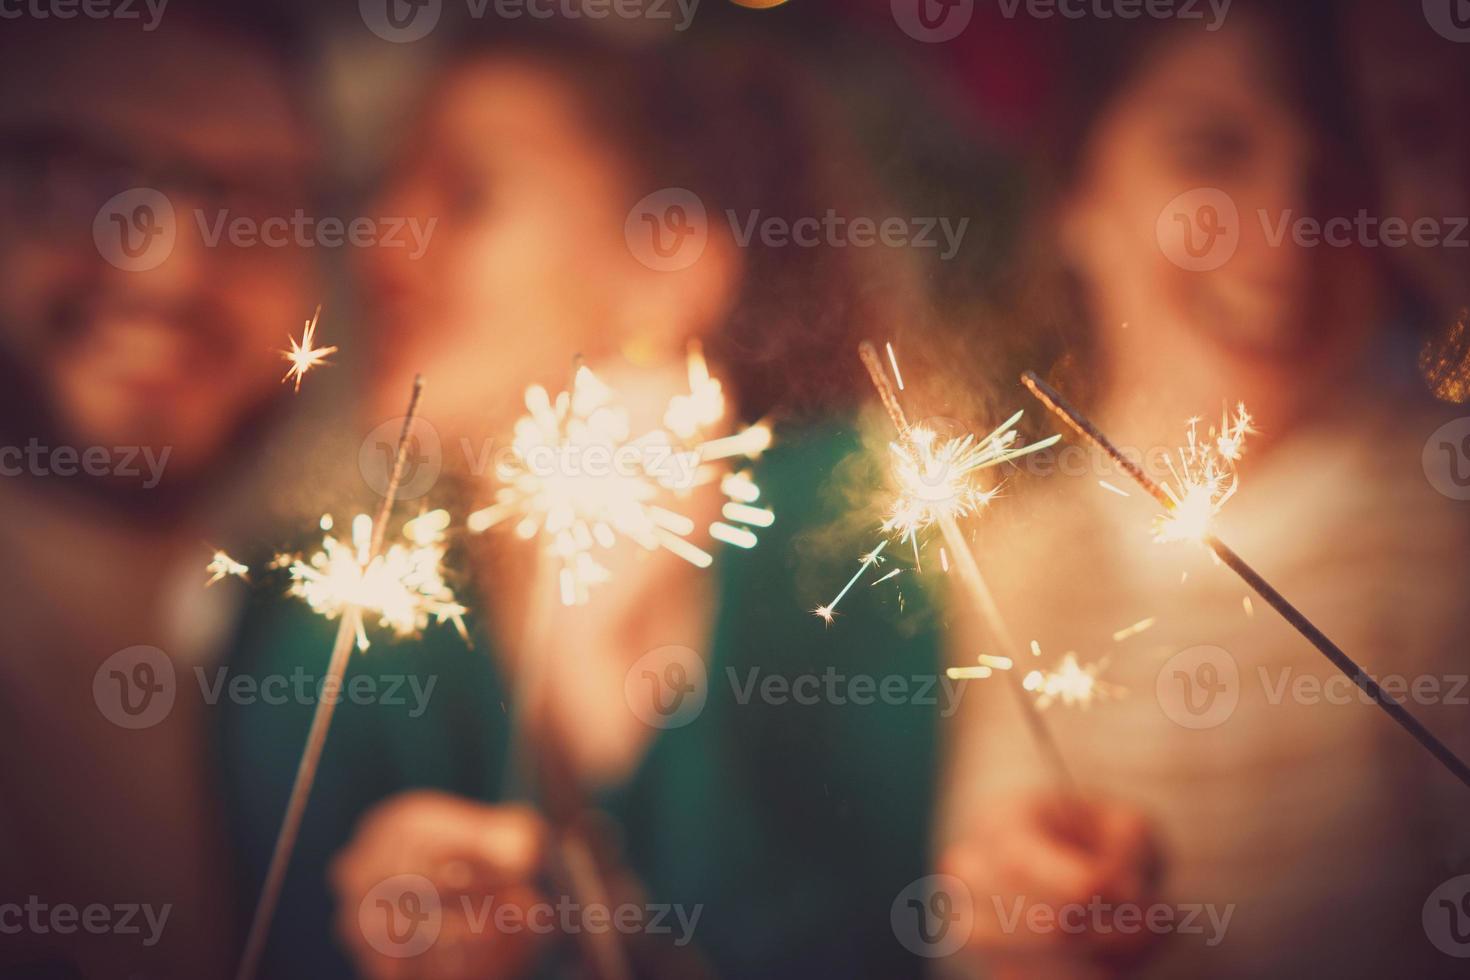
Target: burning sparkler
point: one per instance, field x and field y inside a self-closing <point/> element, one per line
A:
<point x="579" y="481"/>
<point x="1072" y="683"/>
<point x="551" y="489"/>
<point x="303" y="356"/>
<point x="396" y="599"/>
<point x="1228" y="445"/>
<point x="1204" y="478"/>
<point x="222" y="566"/>
<point x="404" y="585"/>
<point x="938" y="480"/>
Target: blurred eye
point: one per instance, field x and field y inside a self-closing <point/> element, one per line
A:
<point x="1211" y="149"/>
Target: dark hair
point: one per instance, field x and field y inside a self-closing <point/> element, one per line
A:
<point x="746" y="135"/>
<point x="1101" y="58"/>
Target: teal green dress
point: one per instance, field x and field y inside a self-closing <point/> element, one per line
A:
<point x="793" y="826"/>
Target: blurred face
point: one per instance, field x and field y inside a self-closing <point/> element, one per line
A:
<point x="527" y="265"/>
<point x="1175" y="224"/>
<point x="122" y="349"/>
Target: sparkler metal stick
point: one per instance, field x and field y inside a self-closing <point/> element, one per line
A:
<point x="540" y="765"/>
<point x="974" y="583"/>
<point x="270" y="893"/>
<point x="1064" y="410"/>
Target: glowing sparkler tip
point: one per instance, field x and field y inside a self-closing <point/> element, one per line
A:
<point x="222" y="566"/>
<point x="549" y="493"/>
<point x="1071" y="683"/>
<point x="1204" y="478"/>
<point x="404" y="585"/>
<point x="304" y="356"/>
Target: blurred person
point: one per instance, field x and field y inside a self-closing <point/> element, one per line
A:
<point x="136" y="364"/>
<point x="1231" y="822"/>
<point x="786" y="829"/>
<point x="1411" y="81"/>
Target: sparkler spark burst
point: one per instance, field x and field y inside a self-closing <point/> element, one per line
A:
<point x="934" y="478"/>
<point x="303" y="356"/>
<point x="404" y="586"/>
<point x="1070" y="683"/>
<point x="1203" y="478"/>
<point x="580" y="480"/>
<point x="222" y="566"/>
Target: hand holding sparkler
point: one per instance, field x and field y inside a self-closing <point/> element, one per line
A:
<point x="1056" y="852"/>
<point x="937" y="485"/>
<point x="579" y="484"/>
<point x="467" y="850"/>
<point x="1189" y="509"/>
<point x="403" y="588"/>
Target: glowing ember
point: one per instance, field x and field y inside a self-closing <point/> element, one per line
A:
<point x="1203" y="478"/>
<point x="303" y="356"/>
<point x="404" y="586"/>
<point x="222" y="566"/>
<point x="1071" y="683"/>
<point x="579" y="480"/>
<point x="1128" y="632"/>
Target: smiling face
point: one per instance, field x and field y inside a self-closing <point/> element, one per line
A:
<point x="176" y="355"/>
<point x="1210" y="112"/>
